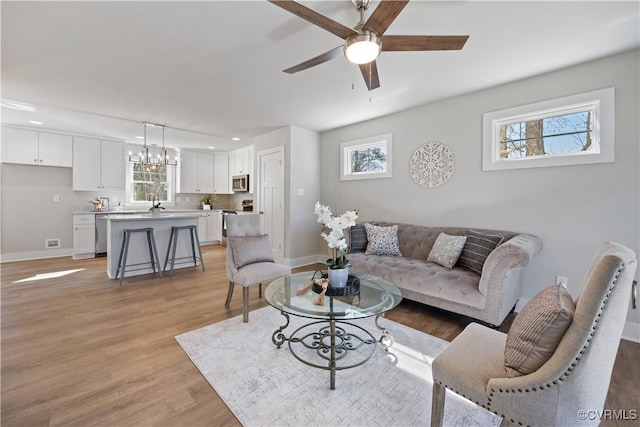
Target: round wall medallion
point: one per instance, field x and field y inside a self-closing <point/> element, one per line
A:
<point x="432" y="164"/>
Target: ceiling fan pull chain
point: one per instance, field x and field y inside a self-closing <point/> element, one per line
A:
<point x="353" y="79"/>
<point x="369" y="84"/>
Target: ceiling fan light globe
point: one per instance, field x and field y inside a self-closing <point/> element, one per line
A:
<point x="362" y="48"/>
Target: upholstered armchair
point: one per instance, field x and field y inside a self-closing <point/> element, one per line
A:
<point x="249" y="258"/>
<point x="576" y="375"/>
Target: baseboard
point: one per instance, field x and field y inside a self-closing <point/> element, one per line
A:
<point x="306" y="260"/>
<point x="24" y="256"/>
<point x="521" y="303"/>
<point x="631" y="332"/>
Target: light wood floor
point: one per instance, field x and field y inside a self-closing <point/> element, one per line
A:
<point x="80" y="350"/>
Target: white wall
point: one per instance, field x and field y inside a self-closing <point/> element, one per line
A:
<point x="572" y="209"/>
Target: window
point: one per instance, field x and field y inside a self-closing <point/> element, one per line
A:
<point x="577" y="129"/>
<point x="366" y="158"/>
<point x="149" y="181"/>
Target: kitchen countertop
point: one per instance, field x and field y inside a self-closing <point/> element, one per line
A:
<point x="144" y="211"/>
<point x="148" y="216"/>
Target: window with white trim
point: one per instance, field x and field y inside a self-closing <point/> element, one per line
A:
<point x="149" y="181"/>
<point x="577" y="129"/>
<point x="366" y="158"/>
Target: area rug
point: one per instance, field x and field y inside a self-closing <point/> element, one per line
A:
<point x="266" y="386"/>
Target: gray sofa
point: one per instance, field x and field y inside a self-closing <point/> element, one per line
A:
<point x="488" y="297"/>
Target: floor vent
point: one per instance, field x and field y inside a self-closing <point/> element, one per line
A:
<point x="52" y="243"/>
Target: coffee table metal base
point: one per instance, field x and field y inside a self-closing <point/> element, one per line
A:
<point x="326" y="344"/>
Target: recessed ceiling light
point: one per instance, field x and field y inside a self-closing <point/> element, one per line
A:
<point x="212" y="148"/>
<point x="235" y="138"/>
<point x="35" y="122"/>
<point x="140" y="137"/>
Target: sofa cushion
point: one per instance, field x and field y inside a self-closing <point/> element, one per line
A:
<point x="424" y="281"/>
<point x="358" y="238"/>
<point x="477" y="248"/>
<point x="382" y="240"/>
<point x="537" y="330"/>
<point x="250" y="249"/>
<point x="446" y="250"/>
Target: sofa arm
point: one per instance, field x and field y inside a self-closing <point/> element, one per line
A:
<point x="502" y="274"/>
<point x="514" y="253"/>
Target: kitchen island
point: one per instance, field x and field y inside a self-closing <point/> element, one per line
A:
<point x="138" y="248"/>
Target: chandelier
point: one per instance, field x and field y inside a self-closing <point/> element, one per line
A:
<point x="146" y="156"/>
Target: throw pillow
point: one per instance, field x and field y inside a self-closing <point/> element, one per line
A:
<point x="476" y="250"/>
<point x="446" y="250"/>
<point x="358" y="238"/>
<point x="382" y="240"/>
<point x="537" y="330"/>
<point x="250" y="249"/>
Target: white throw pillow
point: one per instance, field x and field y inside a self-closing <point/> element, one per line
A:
<point x="382" y="240"/>
<point x="446" y="250"/>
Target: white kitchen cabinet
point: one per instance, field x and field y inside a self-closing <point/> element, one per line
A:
<point x="84" y="236"/>
<point x="242" y="161"/>
<point x="98" y="165"/>
<point x="214" y="226"/>
<point x="196" y="172"/>
<point x="36" y="148"/>
<point x="222" y="180"/>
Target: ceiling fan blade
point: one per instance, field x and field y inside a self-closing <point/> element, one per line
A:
<point x="316" y="18"/>
<point x="327" y="56"/>
<point x="370" y="74"/>
<point x="384" y="15"/>
<point x="407" y="43"/>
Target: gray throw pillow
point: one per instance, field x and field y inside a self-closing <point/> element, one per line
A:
<point x="358" y="234"/>
<point x="476" y="250"/>
<point x="382" y="240"/>
<point x="250" y="249"/>
<point x="537" y="330"/>
<point x="446" y="250"/>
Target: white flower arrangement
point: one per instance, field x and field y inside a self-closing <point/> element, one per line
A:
<point x="335" y="239"/>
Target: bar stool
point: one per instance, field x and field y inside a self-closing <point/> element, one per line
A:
<point x="196" y="252"/>
<point x="124" y="250"/>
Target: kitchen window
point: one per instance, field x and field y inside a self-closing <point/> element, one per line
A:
<point x="366" y="158"/>
<point x="577" y="129"/>
<point x="150" y="182"/>
<point x="144" y="182"/>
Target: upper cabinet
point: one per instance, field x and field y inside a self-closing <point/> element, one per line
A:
<point x="196" y="172"/>
<point x="36" y="148"/>
<point x="98" y="165"/>
<point x="241" y="161"/>
<point x="222" y="181"/>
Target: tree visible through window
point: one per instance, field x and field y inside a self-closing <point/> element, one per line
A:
<point x="572" y="130"/>
<point x="568" y="133"/>
<point x="148" y="182"/>
<point x="366" y="158"/>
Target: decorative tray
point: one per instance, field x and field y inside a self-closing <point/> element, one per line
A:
<point x="352" y="287"/>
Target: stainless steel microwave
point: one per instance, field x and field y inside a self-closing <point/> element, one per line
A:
<point x="240" y="183"/>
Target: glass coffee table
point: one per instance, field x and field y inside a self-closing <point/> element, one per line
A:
<point x="331" y="341"/>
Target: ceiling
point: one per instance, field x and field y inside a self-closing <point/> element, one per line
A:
<point x="212" y="70"/>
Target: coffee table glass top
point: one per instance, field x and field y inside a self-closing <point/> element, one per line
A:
<point x="377" y="296"/>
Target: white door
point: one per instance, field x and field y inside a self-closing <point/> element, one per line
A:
<point x="271" y="201"/>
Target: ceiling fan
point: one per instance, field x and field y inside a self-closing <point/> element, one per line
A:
<point x="364" y="43"/>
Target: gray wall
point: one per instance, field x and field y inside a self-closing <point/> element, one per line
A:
<point x="302" y="171"/>
<point x="573" y="209"/>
